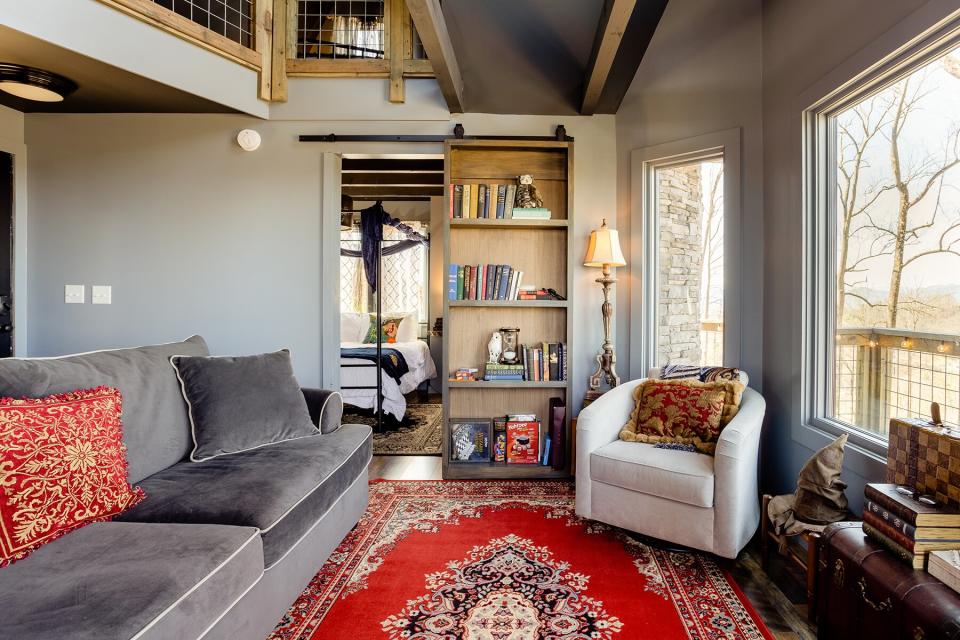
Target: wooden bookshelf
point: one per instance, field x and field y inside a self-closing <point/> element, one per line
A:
<point x="543" y="250"/>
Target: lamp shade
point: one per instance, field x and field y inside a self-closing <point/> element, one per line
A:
<point x="604" y="248"/>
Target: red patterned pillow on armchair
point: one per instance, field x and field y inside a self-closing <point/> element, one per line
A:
<point x="687" y="412"/>
<point x="62" y="465"/>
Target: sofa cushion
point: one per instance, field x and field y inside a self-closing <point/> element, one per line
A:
<point x="282" y="489"/>
<point x="237" y="403"/>
<point x="117" y="580"/>
<point x="681" y="476"/>
<point x="62" y="466"/>
<point x="155" y="425"/>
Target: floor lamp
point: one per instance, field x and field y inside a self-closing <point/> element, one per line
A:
<point x="604" y="252"/>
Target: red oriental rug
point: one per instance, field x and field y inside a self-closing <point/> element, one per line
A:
<point x="508" y="561"/>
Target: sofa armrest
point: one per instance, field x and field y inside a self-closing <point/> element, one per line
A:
<point x="325" y="407"/>
<point x="736" y="491"/>
<point x="597" y="425"/>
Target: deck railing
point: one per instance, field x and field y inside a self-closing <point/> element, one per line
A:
<point x="883" y="373"/>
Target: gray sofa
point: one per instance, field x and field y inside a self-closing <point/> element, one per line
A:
<point x="219" y="549"/>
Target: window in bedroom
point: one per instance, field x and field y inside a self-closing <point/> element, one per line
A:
<point x="884" y="244"/>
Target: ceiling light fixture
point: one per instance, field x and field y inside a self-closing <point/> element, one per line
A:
<point x="34" y="84"/>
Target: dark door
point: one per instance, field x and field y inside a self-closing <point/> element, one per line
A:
<point x="6" y="255"/>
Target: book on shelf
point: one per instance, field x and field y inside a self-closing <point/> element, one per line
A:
<point x="945" y="567"/>
<point x="509" y="198"/>
<point x="911" y="511"/>
<point x="456" y="194"/>
<point x="483" y="282"/>
<point x="544" y="362"/>
<point x="545" y="458"/>
<point x="531" y="213"/>
<point x="557" y="429"/>
<point x="494" y="372"/>
<point x="474" y="194"/>
<point x="501" y="200"/>
<point x="915" y="560"/>
<point x="532" y="292"/>
<point x="500" y="440"/>
<point x="465" y="374"/>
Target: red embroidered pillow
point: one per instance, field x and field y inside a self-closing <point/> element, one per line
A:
<point x="682" y="411"/>
<point x="62" y="466"/>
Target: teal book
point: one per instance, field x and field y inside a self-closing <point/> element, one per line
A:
<point x="460" y="275"/>
<point x="531" y="213"/>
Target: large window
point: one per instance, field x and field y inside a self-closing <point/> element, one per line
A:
<point x="886" y="247"/>
<point x="688" y="205"/>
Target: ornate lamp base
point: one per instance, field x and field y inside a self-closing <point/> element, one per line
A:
<point x="606" y="361"/>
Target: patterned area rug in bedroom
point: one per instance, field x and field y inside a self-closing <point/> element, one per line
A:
<point x="508" y="561"/>
<point x="421" y="438"/>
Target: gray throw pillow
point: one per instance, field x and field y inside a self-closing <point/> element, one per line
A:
<point x="241" y="403"/>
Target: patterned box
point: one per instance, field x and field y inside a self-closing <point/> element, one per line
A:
<point x="926" y="457"/>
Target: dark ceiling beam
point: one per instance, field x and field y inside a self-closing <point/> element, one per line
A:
<point x="372" y="193"/>
<point x="432" y="29"/>
<point x="623" y="34"/>
<point x="392" y="164"/>
<point x="394" y="179"/>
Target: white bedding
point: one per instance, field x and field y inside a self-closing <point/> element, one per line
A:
<point x="422" y="367"/>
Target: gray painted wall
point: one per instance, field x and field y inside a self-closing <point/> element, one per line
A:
<point x="804" y="54"/>
<point x="197" y="236"/>
<point x="701" y="74"/>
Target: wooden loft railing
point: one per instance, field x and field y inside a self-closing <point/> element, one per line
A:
<point x="243" y="33"/>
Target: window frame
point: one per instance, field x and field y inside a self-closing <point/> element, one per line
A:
<point x="819" y="207"/>
<point x="644" y="245"/>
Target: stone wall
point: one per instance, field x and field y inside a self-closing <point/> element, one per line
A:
<point x="679" y="206"/>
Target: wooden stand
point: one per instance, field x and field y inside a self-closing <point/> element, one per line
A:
<point x="805" y="558"/>
<point x="543" y="250"/>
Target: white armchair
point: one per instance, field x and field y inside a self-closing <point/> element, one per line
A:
<point x="706" y="502"/>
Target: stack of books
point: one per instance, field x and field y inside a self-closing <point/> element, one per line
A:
<point x="531" y="213"/>
<point x="465" y="374"/>
<point x="483" y="282"/>
<point x="905" y="526"/>
<point x="493" y="372"/>
<point x="531" y="292"/>
<point x="494" y="201"/>
<point x="544" y="362"/>
<point x="945" y="567"/>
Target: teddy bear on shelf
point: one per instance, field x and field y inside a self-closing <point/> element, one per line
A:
<point x="527" y="195"/>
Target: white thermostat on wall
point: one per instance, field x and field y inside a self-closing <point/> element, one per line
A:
<point x="249" y="140"/>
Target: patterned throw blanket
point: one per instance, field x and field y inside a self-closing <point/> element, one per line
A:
<point x="391" y="361"/>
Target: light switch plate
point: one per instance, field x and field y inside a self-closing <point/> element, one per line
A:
<point x="74" y="293"/>
<point x="101" y="294"/>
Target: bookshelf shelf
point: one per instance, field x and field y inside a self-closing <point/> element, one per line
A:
<point x="559" y="304"/>
<point x="543" y="251"/>
<point x="484" y="223"/>
<point x="518" y="384"/>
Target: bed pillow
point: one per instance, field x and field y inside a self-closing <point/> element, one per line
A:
<point x="241" y="403"/>
<point x="62" y="466"/>
<point x="389" y="329"/>
<point x="409" y="328"/>
<point x="353" y="326"/>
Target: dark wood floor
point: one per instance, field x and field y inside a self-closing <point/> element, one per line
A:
<point x="778" y="595"/>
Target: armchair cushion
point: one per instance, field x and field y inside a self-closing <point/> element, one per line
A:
<point x="682" y="411"/>
<point x="675" y="475"/>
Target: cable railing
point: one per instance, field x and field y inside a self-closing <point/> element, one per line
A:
<point x="882" y="373"/>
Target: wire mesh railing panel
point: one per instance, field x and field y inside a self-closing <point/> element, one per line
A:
<point x="340" y="29"/>
<point x="233" y="19"/>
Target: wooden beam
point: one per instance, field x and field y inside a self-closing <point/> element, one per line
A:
<point x="428" y="19"/>
<point x="613" y="24"/>
<point x="278" y="54"/>
<point x="395" y="16"/>
<point x="263" y="20"/>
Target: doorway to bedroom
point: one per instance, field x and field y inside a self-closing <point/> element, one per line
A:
<point x="391" y="289"/>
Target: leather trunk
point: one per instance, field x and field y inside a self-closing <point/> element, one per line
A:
<point x="866" y="592"/>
